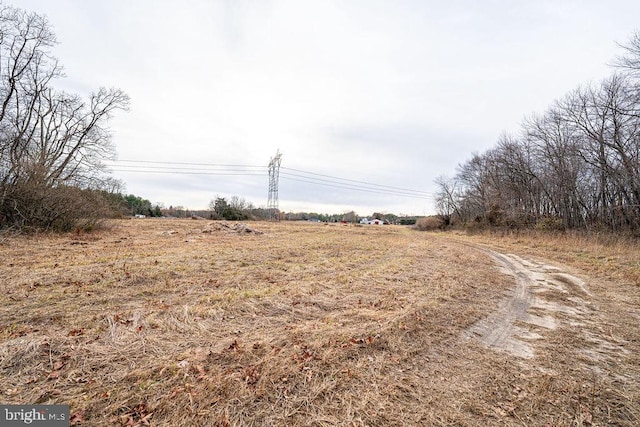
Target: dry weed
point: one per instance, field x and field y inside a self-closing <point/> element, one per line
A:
<point x="156" y="322"/>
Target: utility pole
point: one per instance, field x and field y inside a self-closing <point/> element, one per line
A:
<point x="274" y="174"/>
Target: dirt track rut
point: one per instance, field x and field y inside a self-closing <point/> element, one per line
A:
<point x="544" y="298"/>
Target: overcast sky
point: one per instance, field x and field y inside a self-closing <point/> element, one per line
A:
<point x="394" y="93"/>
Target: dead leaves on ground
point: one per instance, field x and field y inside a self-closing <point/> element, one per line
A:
<point x="56" y="370"/>
<point x="122" y="319"/>
<point x="361" y="342"/>
<point x="76" y="332"/>
<point x="136" y="416"/>
<point x="77" y="418"/>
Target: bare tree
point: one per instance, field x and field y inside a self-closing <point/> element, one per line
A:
<point x="578" y="164"/>
<point x="49" y="139"/>
<point x="239" y="203"/>
<point x="448" y="198"/>
<point x="559" y="169"/>
<point x="630" y="61"/>
<point x="605" y="117"/>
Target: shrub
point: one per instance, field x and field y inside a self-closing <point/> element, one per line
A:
<point x="550" y="223"/>
<point x="30" y="207"/>
<point x="475" y="227"/>
<point x="429" y="223"/>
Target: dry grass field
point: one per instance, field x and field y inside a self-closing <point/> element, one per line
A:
<point x="191" y="323"/>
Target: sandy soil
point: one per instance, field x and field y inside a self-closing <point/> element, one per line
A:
<point x="533" y="307"/>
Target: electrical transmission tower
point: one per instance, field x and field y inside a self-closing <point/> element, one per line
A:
<point x="274" y="173"/>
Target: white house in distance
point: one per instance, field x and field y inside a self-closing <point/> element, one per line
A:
<point x="373" y="221"/>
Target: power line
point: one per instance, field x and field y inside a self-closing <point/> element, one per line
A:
<point x="188" y="163"/>
<point x="173" y="172"/>
<point x="170" y="169"/>
<point x="360" y="182"/>
<point x="186" y="168"/>
<point x="382" y="191"/>
<point x="373" y="188"/>
<point x="193" y="168"/>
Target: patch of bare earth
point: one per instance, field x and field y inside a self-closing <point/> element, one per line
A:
<point x="193" y="323"/>
<point x="541" y="294"/>
<point x="579" y="333"/>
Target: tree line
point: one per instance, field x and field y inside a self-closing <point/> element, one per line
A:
<point x="577" y="165"/>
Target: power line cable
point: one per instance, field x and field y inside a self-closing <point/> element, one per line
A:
<point x="359" y="189"/>
<point x="282" y="167"/>
<point x="168" y="169"/>
<point x="372" y="187"/>
<point x="187" y="163"/>
<point x="174" y="172"/>
<point x="187" y="168"/>
<point x="353" y="180"/>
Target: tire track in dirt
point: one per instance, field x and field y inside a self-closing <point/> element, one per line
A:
<point x="544" y="297"/>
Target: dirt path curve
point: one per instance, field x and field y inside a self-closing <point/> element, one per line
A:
<point x="544" y="297"/>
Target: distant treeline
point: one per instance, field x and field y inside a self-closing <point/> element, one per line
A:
<point x="349" y="217"/>
<point x="577" y="165"/>
<point x="237" y="209"/>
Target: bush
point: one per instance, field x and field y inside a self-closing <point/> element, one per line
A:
<point x="429" y="223"/>
<point x="550" y="223"/>
<point x="30" y="207"/>
<point x="223" y="210"/>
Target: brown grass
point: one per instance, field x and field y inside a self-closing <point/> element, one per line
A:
<point x="606" y="344"/>
<point x="429" y="223"/>
<point x="155" y="322"/>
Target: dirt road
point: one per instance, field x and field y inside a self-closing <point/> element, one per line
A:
<point x="570" y="337"/>
<point x="544" y="298"/>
